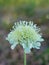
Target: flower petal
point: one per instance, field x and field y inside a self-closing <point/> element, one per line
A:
<point x="13" y="46"/>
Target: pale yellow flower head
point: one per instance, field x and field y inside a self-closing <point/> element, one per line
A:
<point x="26" y="34"/>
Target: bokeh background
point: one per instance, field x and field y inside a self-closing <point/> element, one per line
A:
<point x="28" y="10"/>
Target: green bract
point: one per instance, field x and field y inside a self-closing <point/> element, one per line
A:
<point x="26" y="34"/>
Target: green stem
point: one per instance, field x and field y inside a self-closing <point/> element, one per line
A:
<point x="24" y="58"/>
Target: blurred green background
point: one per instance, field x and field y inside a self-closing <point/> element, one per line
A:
<point x="29" y="10"/>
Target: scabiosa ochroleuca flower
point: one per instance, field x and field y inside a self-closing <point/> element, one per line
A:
<point x="26" y="34"/>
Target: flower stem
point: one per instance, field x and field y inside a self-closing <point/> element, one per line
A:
<point x="24" y="58"/>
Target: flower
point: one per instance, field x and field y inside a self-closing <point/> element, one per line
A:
<point x="26" y="34"/>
